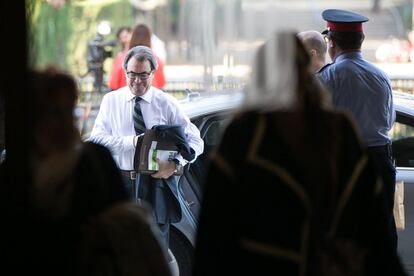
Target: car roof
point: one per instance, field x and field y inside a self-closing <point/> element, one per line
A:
<point x="403" y="103"/>
<point x="206" y="103"/>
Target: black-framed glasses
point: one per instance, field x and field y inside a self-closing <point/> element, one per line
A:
<point x="142" y="76"/>
<point x="327" y="38"/>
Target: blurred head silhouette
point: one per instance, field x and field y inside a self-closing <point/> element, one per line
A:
<point x="281" y="79"/>
<point x="55" y="94"/>
<point x="315" y="44"/>
<point x="123" y="35"/>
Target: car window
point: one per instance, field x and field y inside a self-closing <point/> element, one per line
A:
<point x="402" y="135"/>
<point x="191" y="184"/>
<point x="211" y="134"/>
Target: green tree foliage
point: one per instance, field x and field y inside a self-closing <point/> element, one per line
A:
<point x="87" y="17"/>
<point x="60" y="36"/>
<point x="50" y="33"/>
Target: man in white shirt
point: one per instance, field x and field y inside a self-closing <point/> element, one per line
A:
<point x="114" y="125"/>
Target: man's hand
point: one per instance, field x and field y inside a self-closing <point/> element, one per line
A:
<point x="167" y="169"/>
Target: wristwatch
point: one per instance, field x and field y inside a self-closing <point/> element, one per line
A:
<point x="178" y="165"/>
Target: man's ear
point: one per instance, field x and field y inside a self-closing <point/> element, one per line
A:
<point x="331" y="43"/>
<point x="312" y="53"/>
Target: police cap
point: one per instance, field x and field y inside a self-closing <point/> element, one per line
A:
<point x="343" y="21"/>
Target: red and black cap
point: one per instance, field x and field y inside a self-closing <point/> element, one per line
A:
<point x="343" y="21"/>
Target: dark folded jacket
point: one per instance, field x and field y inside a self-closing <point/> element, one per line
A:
<point x="162" y="194"/>
<point x="175" y="134"/>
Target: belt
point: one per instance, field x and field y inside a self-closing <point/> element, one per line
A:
<point x="132" y="175"/>
<point x="385" y="149"/>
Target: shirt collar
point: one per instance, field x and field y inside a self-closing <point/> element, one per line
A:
<point x="146" y="97"/>
<point x="346" y="55"/>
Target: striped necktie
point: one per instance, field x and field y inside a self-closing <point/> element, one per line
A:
<point x="139" y="124"/>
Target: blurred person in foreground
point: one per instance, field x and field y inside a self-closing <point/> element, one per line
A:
<point x="2" y="127"/>
<point x="142" y="36"/>
<point x="315" y="44"/>
<point x="117" y="76"/>
<point x="81" y="220"/>
<point x="123" y="118"/>
<point x="302" y="200"/>
<point x="364" y="91"/>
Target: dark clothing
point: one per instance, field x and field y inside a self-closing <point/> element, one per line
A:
<point x="176" y="135"/>
<point x="299" y="201"/>
<point x="47" y="244"/>
<point x="130" y="185"/>
<point x="162" y="194"/>
<point x="97" y="182"/>
<point x="123" y="240"/>
<point x="384" y="161"/>
<point x="160" y="197"/>
<point x="165" y="237"/>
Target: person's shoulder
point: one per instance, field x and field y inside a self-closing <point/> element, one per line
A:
<point x="95" y="148"/>
<point x="94" y="153"/>
<point x="331" y="70"/>
<point x="379" y="71"/>
<point x="93" y="145"/>
<point x="117" y="93"/>
<point x="111" y="93"/>
<point x="122" y="53"/>
<point x="325" y="67"/>
<point x="247" y="119"/>
<point x="326" y="73"/>
<point x="161" y="95"/>
<point x="120" y="56"/>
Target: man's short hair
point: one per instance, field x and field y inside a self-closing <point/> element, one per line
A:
<point x="140" y="53"/>
<point x="313" y="40"/>
<point x="347" y="40"/>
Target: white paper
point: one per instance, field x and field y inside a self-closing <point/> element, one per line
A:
<point x="154" y="154"/>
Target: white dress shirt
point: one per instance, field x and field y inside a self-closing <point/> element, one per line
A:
<point x="114" y="127"/>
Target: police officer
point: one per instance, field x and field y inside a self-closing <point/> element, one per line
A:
<point x="364" y="91"/>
